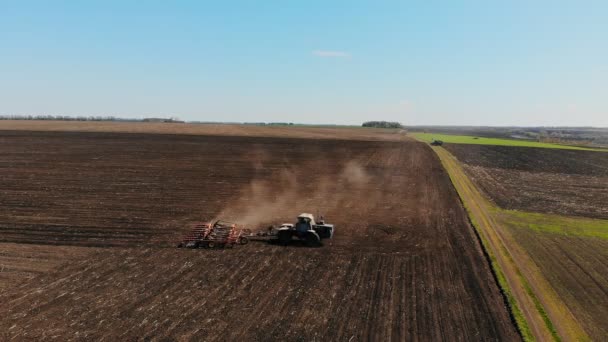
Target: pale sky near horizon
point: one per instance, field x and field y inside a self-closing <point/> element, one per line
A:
<point x="524" y="63"/>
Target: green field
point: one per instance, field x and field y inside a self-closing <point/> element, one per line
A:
<point x="555" y="224"/>
<point x="465" y="139"/>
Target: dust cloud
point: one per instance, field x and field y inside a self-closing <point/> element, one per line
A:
<point x="282" y="195"/>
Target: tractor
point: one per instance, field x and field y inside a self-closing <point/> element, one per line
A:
<point x="305" y="229"/>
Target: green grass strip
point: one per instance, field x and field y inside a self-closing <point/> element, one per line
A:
<point x="555" y="224"/>
<point x="518" y="315"/>
<point x="466" y="139"/>
<point x="539" y="308"/>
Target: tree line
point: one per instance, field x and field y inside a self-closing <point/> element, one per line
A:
<point x="382" y="124"/>
<point x="65" y="118"/>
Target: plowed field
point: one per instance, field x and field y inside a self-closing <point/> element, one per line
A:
<point x="577" y="268"/>
<point x="404" y="264"/>
<point x="539" y="179"/>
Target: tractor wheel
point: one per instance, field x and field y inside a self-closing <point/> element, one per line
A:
<point x="196" y="245"/>
<point x="312" y="240"/>
<point x="243" y="241"/>
<point x="211" y="244"/>
<point x="284" y="237"/>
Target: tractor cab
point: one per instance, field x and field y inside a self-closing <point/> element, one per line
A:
<point x="305" y="224"/>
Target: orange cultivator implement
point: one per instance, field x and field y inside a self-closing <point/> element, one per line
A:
<point x="214" y="235"/>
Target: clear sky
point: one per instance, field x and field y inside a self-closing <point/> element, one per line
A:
<point x="453" y="62"/>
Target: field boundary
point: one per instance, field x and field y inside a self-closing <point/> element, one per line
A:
<point x="474" y="140"/>
<point x="514" y="312"/>
<point x="538" y="311"/>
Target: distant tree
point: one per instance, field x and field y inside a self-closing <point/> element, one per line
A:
<point x="382" y="124"/>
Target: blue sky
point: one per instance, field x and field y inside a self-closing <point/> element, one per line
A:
<point x="344" y="62"/>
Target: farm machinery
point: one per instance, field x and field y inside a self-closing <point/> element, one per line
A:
<point x="220" y="234"/>
<point x="305" y="229"/>
<point x="215" y="234"/>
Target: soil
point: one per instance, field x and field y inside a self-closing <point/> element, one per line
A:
<point x="564" y="182"/>
<point x="404" y="263"/>
<point x="22" y="262"/>
<point x="577" y="268"/>
<point x="282" y="131"/>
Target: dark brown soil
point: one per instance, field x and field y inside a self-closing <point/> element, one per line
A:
<point x="564" y="182"/>
<point x="404" y="264"/>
